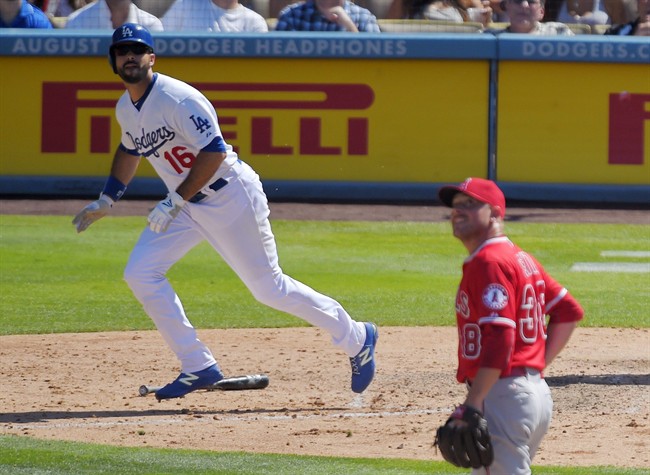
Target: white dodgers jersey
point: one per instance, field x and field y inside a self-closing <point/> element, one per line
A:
<point x="173" y="123"/>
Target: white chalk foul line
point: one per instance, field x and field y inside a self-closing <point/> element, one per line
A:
<point x="636" y="254"/>
<point x="248" y="416"/>
<point x="624" y="267"/>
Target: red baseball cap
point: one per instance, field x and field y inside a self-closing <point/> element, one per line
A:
<point x="482" y="190"/>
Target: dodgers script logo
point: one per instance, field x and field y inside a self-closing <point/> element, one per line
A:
<point x="150" y="142"/>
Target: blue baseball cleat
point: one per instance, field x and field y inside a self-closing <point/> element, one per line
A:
<point x="188" y="382"/>
<point x="363" y="365"/>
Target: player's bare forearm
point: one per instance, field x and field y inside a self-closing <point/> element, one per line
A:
<point x="203" y="169"/>
<point x="558" y="335"/>
<point x="124" y="166"/>
<point x="483" y="382"/>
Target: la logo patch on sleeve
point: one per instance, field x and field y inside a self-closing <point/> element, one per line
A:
<point x="495" y="297"/>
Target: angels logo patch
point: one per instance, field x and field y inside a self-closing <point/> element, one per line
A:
<point x="495" y="297"/>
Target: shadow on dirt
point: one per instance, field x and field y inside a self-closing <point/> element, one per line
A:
<point x="79" y="416"/>
<point x="600" y="379"/>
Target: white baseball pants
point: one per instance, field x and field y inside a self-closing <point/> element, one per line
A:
<point x="234" y="220"/>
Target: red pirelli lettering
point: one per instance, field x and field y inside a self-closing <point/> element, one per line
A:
<point x="331" y="97"/>
<point x="628" y="114"/>
<point x="59" y="113"/>
<point x="62" y="102"/>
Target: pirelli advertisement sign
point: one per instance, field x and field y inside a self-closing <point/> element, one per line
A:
<point x="317" y="110"/>
<point x="574" y="112"/>
<point x="350" y="108"/>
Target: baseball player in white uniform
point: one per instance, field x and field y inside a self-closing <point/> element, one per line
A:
<point x="214" y="197"/>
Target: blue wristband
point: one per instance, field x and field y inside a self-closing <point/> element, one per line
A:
<point x="114" y="188"/>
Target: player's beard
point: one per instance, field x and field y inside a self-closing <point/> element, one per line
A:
<point x="133" y="75"/>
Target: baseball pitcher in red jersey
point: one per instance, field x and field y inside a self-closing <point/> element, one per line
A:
<point x="504" y="343"/>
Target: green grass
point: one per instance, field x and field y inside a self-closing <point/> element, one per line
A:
<point x="24" y="455"/>
<point x="53" y="280"/>
<point x="402" y="274"/>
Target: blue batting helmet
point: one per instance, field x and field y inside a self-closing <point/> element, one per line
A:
<point x="129" y="33"/>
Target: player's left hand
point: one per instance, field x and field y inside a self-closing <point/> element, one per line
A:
<point x="165" y="211"/>
<point x="464" y="440"/>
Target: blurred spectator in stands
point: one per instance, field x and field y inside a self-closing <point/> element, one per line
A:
<point x="590" y="12"/>
<point x="551" y="10"/>
<point x="109" y="14"/>
<point x="326" y="15"/>
<point x="638" y="27"/>
<point x="42" y="5"/>
<point x="498" y="13"/>
<point x="63" y="8"/>
<point x="526" y="17"/>
<point x="22" y="14"/>
<point x="227" y="16"/>
<point x="399" y="9"/>
<point x="445" y="10"/>
<point x="481" y="13"/>
<point x="621" y="11"/>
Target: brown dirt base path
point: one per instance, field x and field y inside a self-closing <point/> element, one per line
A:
<point x="84" y="387"/>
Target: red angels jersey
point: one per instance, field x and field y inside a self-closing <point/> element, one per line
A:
<point x="503" y="285"/>
<point x="174" y="122"/>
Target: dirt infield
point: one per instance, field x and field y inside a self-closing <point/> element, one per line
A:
<point x="343" y="212"/>
<point x="84" y="386"/>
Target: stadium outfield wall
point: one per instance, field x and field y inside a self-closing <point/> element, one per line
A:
<point x="343" y="117"/>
